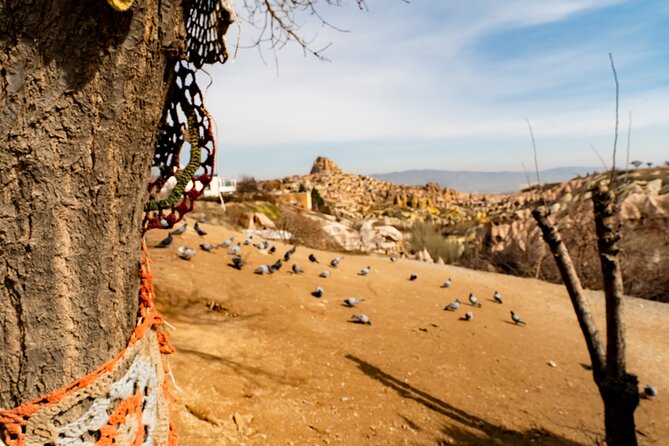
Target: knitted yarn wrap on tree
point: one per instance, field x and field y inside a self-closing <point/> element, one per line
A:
<point x="120" y="5"/>
<point x="124" y="402"/>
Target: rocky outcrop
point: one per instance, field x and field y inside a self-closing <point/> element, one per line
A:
<point x="323" y="165"/>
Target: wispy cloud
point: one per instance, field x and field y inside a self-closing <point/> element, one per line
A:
<point x="427" y="78"/>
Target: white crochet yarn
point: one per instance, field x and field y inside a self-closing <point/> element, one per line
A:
<point x="142" y="376"/>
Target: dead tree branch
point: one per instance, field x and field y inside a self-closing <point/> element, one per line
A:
<point x="575" y="290"/>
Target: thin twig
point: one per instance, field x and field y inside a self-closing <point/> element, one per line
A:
<point x="536" y="160"/>
<point x="629" y="133"/>
<point x="615" y="138"/>
<point x="600" y="157"/>
<point x="527" y="176"/>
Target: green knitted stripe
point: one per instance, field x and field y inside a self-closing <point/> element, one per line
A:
<point x="185" y="175"/>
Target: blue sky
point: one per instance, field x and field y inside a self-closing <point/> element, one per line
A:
<point x="448" y="84"/>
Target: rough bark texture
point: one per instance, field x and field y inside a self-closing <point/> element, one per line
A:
<point x="81" y="93"/>
<point x="620" y="389"/>
<point x="575" y="290"/>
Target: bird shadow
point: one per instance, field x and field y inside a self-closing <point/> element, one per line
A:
<point x="513" y="323"/>
<point x="462" y="427"/>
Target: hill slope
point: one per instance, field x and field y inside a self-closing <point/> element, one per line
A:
<point x="271" y="365"/>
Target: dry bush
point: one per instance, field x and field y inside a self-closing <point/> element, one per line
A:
<point x="427" y="235"/>
<point x="305" y="231"/>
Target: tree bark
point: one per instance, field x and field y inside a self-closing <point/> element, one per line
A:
<point x="575" y="290"/>
<point x="620" y="389"/>
<point x="81" y="93"/>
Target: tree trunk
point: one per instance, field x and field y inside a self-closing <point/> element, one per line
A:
<point x="620" y="389"/>
<point x="81" y="94"/>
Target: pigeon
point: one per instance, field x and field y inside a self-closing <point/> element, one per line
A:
<point x="361" y="319"/>
<point x="468" y="316"/>
<point x="297" y="269"/>
<point x="202" y="219"/>
<point x="516" y="319"/>
<point x="226" y="243"/>
<point x="312" y="258"/>
<point x="165" y="242"/>
<point x="201" y="232"/>
<point x="185" y="252"/>
<point x="238" y="262"/>
<point x="235" y="250"/>
<point x="335" y="262"/>
<point x="447" y="284"/>
<point x="180" y="230"/>
<point x="497" y="297"/>
<point x="318" y="292"/>
<point x="324" y="274"/>
<point x="276" y="266"/>
<point x="207" y="247"/>
<point x="286" y="256"/>
<point x="365" y="271"/>
<point x="262" y="245"/>
<point x="292" y="250"/>
<point x="393" y="259"/>
<point x="453" y="305"/>
<point x="163" y="223"/>
<point x="263" y="269"/>
<point x="353" y="301"/>
<point x="473" y="300"/>
<point x="248" y="240"/>
<point x="272" y="250"/>
<point x="413" y="276"/>
<point x="649" y="391"/>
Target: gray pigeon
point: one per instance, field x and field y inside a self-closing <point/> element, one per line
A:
<point x="166" y="241"/>
<point x="202" y="219"/>
<point x="335" y="262"/>
<point x="262" y="269"/>
<point x="649" y="391"/>
<point x="497" y="297"/>
<point x="163" y="223"/>
<point x="272" y="250"/>
<point x="207" y="247"/>
<point x="238" y="262"/>
<point x="365" y="271"/>
<point x="318" y="292"/>
<point x="276" y="266"/>
<point x="447" y="284"/>
<point x="353" y="301"/>
<point x="324" y="274"/>
<point x="185" y="252"/>
<point x="262" y="245"/>
<point x="235" y="250"/>
<point x="312" y="258"/>
<point x="516" y="319"/>
<point x="473" y="300"/>
<point x="292" y="250"/>
<point x="297" y="269"/>
<point x="468" y="316"/>
<point x="248" y="240"/>
<point x="180" y="230"/>
<point x="413" y="276"/>
<point x="201" y="232"/>
<point x="226" y="243"/>
<point x="453" y="305"/>
<point x="361" y="319"/>
<point x="286" y="256"/>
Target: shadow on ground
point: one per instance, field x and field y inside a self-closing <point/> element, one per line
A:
<point x="461" y="427"/>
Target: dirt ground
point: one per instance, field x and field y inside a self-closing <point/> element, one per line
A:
<point x="260" y="361"/>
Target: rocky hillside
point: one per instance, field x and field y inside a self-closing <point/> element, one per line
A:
<point x="493" y="232"/>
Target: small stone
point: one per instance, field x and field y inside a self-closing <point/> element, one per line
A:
<point x="552" y="363"/>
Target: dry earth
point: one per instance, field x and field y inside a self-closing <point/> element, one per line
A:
<point x="272" y="365"/>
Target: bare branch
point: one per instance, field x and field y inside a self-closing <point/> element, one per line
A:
<point x="600" y="157"/>
<point x="629" y="133"/>
<point x="615" y="138"/>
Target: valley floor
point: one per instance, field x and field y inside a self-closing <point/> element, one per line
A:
<point x="260" y="361"/>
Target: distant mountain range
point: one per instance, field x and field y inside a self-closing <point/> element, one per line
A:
<point x="481" y="182"/>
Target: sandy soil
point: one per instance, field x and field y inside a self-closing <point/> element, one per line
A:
<point x="261" y="362"/>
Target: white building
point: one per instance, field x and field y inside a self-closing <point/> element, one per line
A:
<point x="220" y="186"/>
